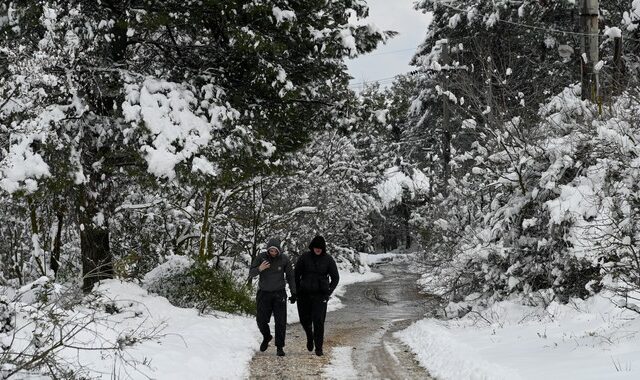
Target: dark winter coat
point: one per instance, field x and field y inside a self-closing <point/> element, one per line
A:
<point x="273" y="278"/>
<point x="313" y="271"/>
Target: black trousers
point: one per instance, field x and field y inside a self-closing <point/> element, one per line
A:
<point x="312" y="310"/>
<point x="272" y="303"/>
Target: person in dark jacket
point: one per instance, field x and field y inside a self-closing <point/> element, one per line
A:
<point x="272" y="267"/>
<point x="313" y="271"/>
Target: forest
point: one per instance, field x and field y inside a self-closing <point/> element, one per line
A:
<point x="161" y="143"/>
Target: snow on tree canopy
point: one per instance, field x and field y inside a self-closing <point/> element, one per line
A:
<point x="283" y="15"/>
<point x="613" y="32"/>
<point x="391" y="190"/>
<point x="22" y="167"/>
<point x="168" y="111"/>
<point x="632" y="18"/>
<point x="349" y="41"/>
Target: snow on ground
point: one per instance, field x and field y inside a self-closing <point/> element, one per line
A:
<point x="126" y="333"/>
<point x="399" y="255"/>
<point x="201" y="347"/>
<point x="590" y="339"/>
<point x="132" y="334"/>
<point x="188" y="345"/>
<point x="341" y="365"/>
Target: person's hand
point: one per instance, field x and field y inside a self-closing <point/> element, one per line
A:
<point x="326" y="297"/>
<point x="264" y="265"/>
<point x="293" y="298"/>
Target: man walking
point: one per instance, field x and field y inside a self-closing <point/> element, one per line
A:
<point x="312" y="273"/>
<point x="273" y="266"/>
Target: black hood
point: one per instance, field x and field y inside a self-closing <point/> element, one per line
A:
<point x="274" y="243"/>
<point x="318" y="242"/>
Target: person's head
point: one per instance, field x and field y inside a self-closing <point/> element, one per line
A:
<point x="273" y="247"/>
<point x="318" y="246"/>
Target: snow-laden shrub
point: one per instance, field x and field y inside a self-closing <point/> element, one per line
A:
<point x="188" y="283"/>
<point x="7" y="316"/>
<point x="51" y="331"/>
<point x="552" y="206"/>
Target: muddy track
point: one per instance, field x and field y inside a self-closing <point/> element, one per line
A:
<point x="360" y="334"/>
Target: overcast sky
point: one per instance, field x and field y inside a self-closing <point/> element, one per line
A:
<point x="393" y="58"/>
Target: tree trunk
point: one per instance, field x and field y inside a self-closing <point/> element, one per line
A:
<point x="618" y="66"/>
<point x="97" y="263"/>
<point x="35" y="233"/>
<point x="446" y="125"/>
<point x="204" y="232"/>
<point x="57" y="244"/>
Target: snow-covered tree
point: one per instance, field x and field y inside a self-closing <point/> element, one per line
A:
<point x="206" y="93"/>
<point x="512" y="145"/>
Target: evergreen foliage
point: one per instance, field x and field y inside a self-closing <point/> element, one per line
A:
<point x="526" y="198"/>
<point x="129" y="128"/>
<point x="205" y="288"/>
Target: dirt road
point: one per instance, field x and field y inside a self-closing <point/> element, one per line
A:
<point x="359" y="342"/>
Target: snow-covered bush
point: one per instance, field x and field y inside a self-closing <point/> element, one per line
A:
<point x="556" y="211"/>
<point x="45" y="329"/>
<point x="7" y="316"/>
<point x="189" y="283"/>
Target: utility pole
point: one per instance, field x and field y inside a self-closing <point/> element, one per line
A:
<point x="589" y="19"/>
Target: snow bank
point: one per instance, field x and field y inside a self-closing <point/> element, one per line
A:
<point x="125" y="332"/>
<point x="445" y="357"/>
<point x="191" y="345"/>
<point x="589" y="339"/>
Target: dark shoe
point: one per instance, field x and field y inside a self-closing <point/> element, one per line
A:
<point x="280" y="351"/>
<point x="309" y="345"/>
<point x="265" y="343"/>
<point x="319" y="352"/>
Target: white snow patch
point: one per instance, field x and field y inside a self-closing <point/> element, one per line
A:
<point x="283" y="15"/>
<point x="585" y="339"/>
<point x="201" y="164"/>
<point x="349" y="41"/>
<point x="447" y="357"/>
<point x="341" y="365"/>
<point x="391" y="190"/>
<point x="613" y="32"/>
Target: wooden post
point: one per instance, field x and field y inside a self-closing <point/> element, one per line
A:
<point x="589" y="18"/>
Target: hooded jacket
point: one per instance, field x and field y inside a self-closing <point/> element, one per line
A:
<point x="313" y="271"/>
<point x="273" y="278"/>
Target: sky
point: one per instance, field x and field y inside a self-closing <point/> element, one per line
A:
<point x="393" y="57"/>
